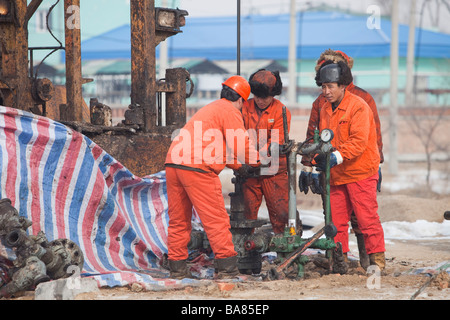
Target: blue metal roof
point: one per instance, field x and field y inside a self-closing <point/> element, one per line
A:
<point x="267" y="37"/>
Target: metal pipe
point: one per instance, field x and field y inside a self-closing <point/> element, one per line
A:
<point x="143" y="73"/>
<point x="74" y="79"/>
<point x="292" y="56"/>
<point x="393" y="115"/>
<point x="291" y="158"/>
<point x="238" y="53"/>
<point x="292" y="168"/>
<point x="327" y="192"/>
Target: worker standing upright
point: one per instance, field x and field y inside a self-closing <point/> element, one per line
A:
<point x="203" y="147"/>
<point x="309" y="179"/>
<point x="354" y="163"/>
<point x="263" y="115"/>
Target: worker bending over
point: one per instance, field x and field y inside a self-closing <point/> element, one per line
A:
<point x="203" y="147"/>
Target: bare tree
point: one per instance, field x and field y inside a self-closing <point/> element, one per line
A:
<point x="425" y="124"/>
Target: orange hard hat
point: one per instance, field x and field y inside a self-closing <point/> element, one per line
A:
<point x="238" y="84"/>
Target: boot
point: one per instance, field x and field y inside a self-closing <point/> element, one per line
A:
<point x="178" y="269"/>
<point x="340" y="260"/>
<point x="226" y="267"/>
<point x="364" y="260"/>
<point x="378" y="259"/>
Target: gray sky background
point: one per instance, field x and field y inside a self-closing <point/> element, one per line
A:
<point x="436" y="13"/>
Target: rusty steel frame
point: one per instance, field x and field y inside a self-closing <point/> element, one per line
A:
<point x="143" y="71"/>
<point x="14" y="81"/>
<point x="74" y="79"/>
<point x="142" y="140"/>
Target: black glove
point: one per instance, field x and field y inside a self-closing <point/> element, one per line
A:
<point x="320" y="161"/>
<point x="286" y="148"/>
<point x="246" y="170"/>
<point x="380" y="177"/>
<point x="304" y="179"/>
<point x="314" y="182"/>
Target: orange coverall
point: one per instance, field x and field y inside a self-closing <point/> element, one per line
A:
<point x="194" y="160"/>
<point x="314" y="123"/>
<point x="320" y="101"/>
<point x="274" y="188"/>
<point x="353" y="182"/>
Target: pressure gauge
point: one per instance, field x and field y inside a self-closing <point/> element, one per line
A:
<point x="326" y="135"/>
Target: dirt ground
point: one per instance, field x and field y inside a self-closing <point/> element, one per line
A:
<point x="394" y="284"/>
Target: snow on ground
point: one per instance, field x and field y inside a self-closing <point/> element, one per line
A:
<point x="420" y="229"/>
<point x="439" y="180"/>
<point x="410" y="176"/>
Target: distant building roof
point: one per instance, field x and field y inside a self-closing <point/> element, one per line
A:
<point x="123" y="66"/>
<point x="248" y="66"/>
<point x="267" y="37"/>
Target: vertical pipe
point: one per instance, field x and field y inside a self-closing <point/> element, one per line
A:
<point x="410" y="55"/>
<point x="14" y="63"/>
<point x="163" y="63"/>
<point x="292" y="178"/>
<point x="238" y="53"/>
<point x="327" y="204"/>
<point x="326" y="201"/>
<point x="143" y="71"/>
<point x="292" y="204"/>
<point x="292" y="58"/>
<point x="73" y="60"/>
<point x="393" y="119"/>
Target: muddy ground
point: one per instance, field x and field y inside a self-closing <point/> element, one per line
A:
<point x="402" y="256"/>
<point x="394" y="284"/>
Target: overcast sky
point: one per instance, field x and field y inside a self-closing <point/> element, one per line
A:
<point x="436" y="12"/>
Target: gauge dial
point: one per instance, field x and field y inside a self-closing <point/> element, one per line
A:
<point x="326" y="135"/>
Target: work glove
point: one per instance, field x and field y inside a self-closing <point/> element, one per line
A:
<point x="246" y="170"/>
<point x="286" y="148"/>
<point x="380" y="177"/>
<point x="320" y="161"/>
<point x="304" y="179"/>
<point x="280" y="148"/>
<point x="314" y="183"/>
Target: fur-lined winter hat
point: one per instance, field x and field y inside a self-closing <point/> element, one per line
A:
<point x="265" y="83"/>
<point x="330" y="71"/>
<point x="335" y="56"/>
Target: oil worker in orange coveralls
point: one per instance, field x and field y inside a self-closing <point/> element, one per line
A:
<point x="310" y="179"/>
<point x="354" y="164"/>
<point x="263" y="114"/>
<point x="199" y="152"/>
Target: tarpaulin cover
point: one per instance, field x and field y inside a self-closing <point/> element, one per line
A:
<point x="71" y="188"/>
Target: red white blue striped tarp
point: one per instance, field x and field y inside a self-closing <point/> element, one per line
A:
<point x="70" y="188"/>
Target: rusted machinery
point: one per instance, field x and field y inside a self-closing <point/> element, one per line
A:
<point x="35" y="259"/>
<point x="251" y="238"/>
<point x="290" y="245"/>
<point x="141" y="141"/>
